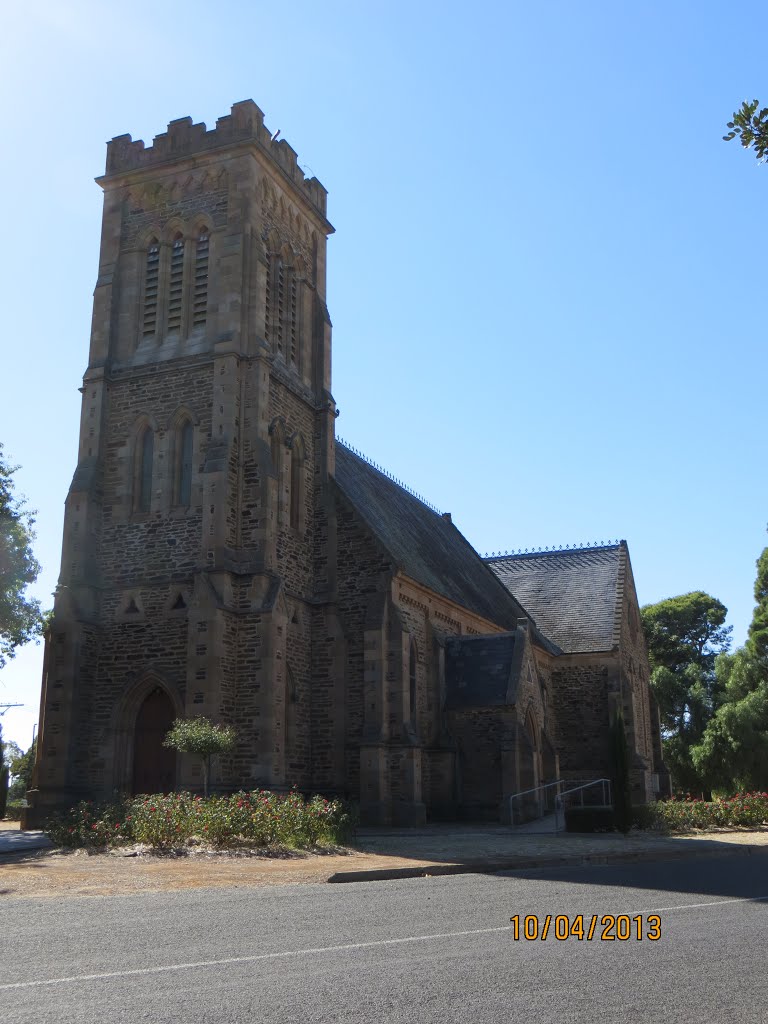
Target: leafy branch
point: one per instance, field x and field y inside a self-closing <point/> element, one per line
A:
<point x="750" y="126"/>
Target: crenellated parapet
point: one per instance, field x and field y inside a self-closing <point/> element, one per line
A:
<point x="245" y="124"/>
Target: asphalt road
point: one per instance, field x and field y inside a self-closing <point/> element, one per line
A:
<point x="417" y="950"/>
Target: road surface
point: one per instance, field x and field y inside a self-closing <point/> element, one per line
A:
<point x="418" y="950"/>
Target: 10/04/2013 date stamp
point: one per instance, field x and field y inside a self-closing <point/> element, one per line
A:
<point x="606" y="928"/>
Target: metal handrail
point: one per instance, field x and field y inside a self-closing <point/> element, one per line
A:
<point x="559" y="795"/>
<point x="586" y="785"/>
<point x="547" y="785"/>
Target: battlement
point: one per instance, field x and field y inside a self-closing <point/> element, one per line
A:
<point x="244" y="124"/>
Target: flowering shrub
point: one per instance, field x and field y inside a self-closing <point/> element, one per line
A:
<point x="90" y="824"/>
<point x="744" y="810"/>
<point x="257" y="819"/>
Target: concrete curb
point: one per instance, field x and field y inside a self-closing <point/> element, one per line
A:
<point x="484" y="866"/>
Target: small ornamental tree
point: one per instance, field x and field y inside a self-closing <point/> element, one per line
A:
<point x="202" y="738"/>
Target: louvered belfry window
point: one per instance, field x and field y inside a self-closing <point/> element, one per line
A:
<point x="149" y="323"/>
<point x="200" y="297"/>
<point x="280" y="304"/>
<point x="293" y="318"/>
<point x="268" y="303"/>
<point x="176" y="291"/>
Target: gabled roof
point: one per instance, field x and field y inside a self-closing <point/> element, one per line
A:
<point x="423" y="544"/>
<point x="574" y="595"/>
<point x="478" y="670"/>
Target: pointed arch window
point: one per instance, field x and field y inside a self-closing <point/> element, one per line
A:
<point x="176" y="285"/>
<point x="184" y="444"/>
<point x="145" y="451"/>
<point x="296" y="509"/>
<point x="200" y="296"/>
<point x="274" y="313"/>
<point x="151" y="274"/>
<point x="278" y="466"/>
<point x="282" y="301"/>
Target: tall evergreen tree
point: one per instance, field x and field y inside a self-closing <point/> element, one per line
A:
<point x="685" y="636"/>
<point x="733" y="751"/>
<point x="758" y="630"/>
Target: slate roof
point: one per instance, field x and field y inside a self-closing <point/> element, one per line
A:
<point x="421" y="543"/>
<point x="574" y="595"/>
<point x="477" y="670"/>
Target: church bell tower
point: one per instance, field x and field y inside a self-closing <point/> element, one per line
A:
<point x="196" y="562"/>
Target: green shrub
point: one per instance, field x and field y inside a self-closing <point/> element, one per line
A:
<point x="258" y="818"/>
<point x="160" y="820"/>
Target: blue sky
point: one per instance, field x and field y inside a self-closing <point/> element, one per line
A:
<point x="545" y="281"/>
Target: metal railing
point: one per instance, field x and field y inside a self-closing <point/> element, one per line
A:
<point x="559" y="794"/>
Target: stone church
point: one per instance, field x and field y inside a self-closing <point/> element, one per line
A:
<point x="224" y="554"/>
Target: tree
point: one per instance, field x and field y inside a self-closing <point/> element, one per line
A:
<point x="199" y="736"/>
<point x="750" y="126"/>
<point x="685" y="630"/>
<point x="6" y="751"/>
<point x="758" y="629"/>
<point x="688" y="702"/>
<point x="21" y="618"/>
<point x="22" y="766"/>
<point x="732" y="753"/>
<point x="685" y="636"/>
<point x="10" y="752"/>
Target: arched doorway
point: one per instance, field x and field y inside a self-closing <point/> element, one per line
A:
<point x="154" y="766"/>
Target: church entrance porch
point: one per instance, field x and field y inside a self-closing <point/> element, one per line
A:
<point x="154" y="766"/>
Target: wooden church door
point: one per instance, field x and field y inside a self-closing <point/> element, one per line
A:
<point x="154" y="766"/>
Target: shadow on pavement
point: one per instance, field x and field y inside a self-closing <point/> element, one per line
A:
<point x="737" y="873"/>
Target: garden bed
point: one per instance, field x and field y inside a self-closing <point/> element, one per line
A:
<point x="688" y="814"/>
<point x="251" y="821"/>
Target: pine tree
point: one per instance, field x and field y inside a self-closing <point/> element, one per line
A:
<point x="758" y="630"/>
